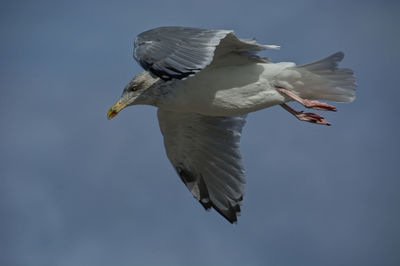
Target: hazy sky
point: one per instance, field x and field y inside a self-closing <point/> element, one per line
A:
<point x="77" y="189"/>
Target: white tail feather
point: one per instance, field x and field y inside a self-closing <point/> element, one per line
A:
<point x="325" y="81"/>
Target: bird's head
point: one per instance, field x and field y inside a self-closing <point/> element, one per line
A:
<point x="133" y="93"/>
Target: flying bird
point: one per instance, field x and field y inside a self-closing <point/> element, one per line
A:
<point x="204" y="83"/>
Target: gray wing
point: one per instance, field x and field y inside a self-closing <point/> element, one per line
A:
<point x="177" y="52"/>
<point x="204" y="151"/>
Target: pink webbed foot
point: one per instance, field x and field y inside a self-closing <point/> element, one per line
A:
<point x="318" y="105"/>
<point x="312" y="118"/>
<point x="307" y="117"/>
<point x="305" y="102"/>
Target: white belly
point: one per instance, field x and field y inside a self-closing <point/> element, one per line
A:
<point x="226" y="91"/>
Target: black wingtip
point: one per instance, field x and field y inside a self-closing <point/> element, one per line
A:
<point x="233" y="210"/>
<point x="230" y="214"/>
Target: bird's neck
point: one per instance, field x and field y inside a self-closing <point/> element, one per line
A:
<point x="153" y="95"/>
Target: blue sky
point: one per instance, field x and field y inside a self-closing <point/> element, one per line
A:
<point x="76" y="189"/>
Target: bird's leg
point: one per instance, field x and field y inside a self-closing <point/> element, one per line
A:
<point x="305" y="102"/>
<point x="307" y="117"/>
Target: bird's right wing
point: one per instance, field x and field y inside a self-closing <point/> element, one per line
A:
<point x="178" y="52"/>
<point x="204" y="151"/>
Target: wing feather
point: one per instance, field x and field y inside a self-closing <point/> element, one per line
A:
<point x="178" y="52"/>
<point x="204" y="151"/>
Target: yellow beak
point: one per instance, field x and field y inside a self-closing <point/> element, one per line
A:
<point x="116" y="108"/>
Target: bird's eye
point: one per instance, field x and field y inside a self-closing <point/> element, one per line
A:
<point x="132" y="88"/>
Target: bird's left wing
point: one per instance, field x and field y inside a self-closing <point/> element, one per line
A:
<point x="204" y="151"/>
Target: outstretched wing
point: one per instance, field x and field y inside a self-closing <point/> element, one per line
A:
<point x="204" y="151"/>
<point x="177" y="52"/>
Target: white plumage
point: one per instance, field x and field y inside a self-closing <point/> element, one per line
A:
<point x="204" y="82"/>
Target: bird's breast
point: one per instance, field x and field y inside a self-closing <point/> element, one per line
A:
<point x="223" y="91"/>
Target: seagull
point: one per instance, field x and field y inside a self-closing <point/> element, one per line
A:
<point x="204" y="83"/>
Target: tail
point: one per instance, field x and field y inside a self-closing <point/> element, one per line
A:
<point x="325" y="81"/>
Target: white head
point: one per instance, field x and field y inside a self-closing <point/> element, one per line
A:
<point x="134" y="93"/>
